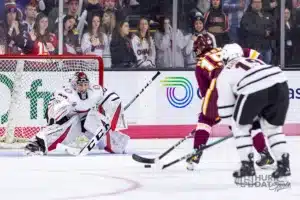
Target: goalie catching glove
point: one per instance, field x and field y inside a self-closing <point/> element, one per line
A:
<point x="81" y="110"/>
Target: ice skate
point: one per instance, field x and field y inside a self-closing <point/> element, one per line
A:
<point x="283" y="167"/>
<point x="266" y="161"/>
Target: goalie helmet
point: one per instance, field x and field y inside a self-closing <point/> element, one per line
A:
<point x="78" y="83"/>
<point x="231" y="51"/>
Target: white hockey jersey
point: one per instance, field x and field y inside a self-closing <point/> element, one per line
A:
<point x="95" y="95"/>
<point x="244" y="76"/>
<point x="87" y="48"/>
<point x="144" y="52"/>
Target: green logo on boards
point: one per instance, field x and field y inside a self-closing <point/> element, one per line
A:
<point x="33" y="95"/>
<point x="9" y="83"/>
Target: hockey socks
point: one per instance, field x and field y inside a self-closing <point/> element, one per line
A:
<point x="200" y="139"/>
<point x="259" y="142"/>
<point x="202" y="134"/>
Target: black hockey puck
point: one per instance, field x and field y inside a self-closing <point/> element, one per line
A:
<point x="147" y="166"/>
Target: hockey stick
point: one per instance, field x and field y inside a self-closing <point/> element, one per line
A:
<point x="96" y="139"/>
<point x="137" y="96"/>
<point x="196" y="153"/>
<point x="153" y="160"/>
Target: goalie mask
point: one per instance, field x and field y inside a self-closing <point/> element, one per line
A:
<point x="81" y="84"/>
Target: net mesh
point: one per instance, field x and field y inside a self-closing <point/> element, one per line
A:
<point x="26" y="86"/>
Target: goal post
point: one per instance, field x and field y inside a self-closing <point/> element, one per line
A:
<point x="26" y="86"/>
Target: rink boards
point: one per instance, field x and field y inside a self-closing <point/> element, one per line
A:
<point x="168" y="108"/>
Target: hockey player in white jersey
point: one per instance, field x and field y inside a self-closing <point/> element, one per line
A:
<point x="249" y="89"/>
<point x="81" y="109"/>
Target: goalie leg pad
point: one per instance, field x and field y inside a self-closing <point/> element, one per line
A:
<point x="114" y="111"/>
<point x="116" y="142"/>
<point x="96" y="121"/>
<point x="65" y="133"/>
<point x="113" y="142"/>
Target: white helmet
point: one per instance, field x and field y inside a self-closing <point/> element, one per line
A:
<point x="231" y="51"/>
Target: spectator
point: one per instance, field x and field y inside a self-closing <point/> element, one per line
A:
<point x="235" y="10"/>
<point x="2" y="39"/>
<point x="143" y="45"/>
<point x="45" y="43"/>
<point x="40" y="4"/>
<point x="289" y="37"/>
<point x="30" y="16"/>
<point x="71" y="40"/>
<point x="108" y="27"/>
<point x="257" y="28"/>
<point x="198" y="26"/>
<point x="272" y="7"/>
<point x="296" y="3"/>
<point x="95" y="42"/>
<point x="203" y="5"/>
<point x="108" y="23"/>
<point x="16" y="30"/>
<point x="216" y="22"/>
<point x="122" y="54"/>
<point x="94" y="6"/>
<point x="72" y="10"/>
<point x="163" y="44"/>
<point x="73" y="6"/>
<point x="113" y="6"/>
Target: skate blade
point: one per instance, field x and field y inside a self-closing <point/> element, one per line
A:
<point x="268" y="167"/>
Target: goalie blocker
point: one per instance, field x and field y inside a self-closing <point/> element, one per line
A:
<point x="80" y="109"/>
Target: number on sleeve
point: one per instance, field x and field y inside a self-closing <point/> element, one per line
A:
<point x="250" y="61"/>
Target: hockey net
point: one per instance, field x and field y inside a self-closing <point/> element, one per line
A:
<point x="26" y="86"/>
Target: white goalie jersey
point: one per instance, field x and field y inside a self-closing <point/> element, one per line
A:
<point x="67" y="103"/>
<point x="244" y="76"/>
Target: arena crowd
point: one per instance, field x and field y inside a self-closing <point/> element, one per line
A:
<point x="138" y="33"/>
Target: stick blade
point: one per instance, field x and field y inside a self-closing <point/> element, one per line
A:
<point x="142" y="159"/>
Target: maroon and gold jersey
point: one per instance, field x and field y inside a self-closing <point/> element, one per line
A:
<point x="211" y="60"/>
<point x="251" y="53"/>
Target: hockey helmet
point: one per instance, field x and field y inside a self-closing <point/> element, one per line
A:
<point x="79" y="78"/>
<point x="231" y="51"/>
<point x="202" y="45"/>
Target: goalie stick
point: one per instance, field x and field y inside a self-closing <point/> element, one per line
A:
<point x="96" y="139"/>
<point x="195" y="153"/>
<point x="153" y="160"/>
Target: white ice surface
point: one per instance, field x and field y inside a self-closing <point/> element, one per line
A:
<point x="118" y="177"/>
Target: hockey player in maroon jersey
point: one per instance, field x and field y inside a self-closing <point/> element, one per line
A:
<point x="208" y="67"/>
